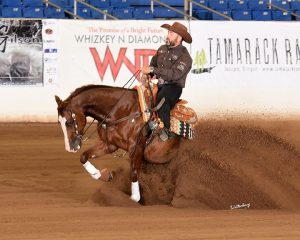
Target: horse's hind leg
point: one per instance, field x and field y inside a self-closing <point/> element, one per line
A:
<point x="98" y="150"/>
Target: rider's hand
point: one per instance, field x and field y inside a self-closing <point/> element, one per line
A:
<point x="160" y="81"/>
<point x="145" y="69"/>
<point x="144" y="79"/>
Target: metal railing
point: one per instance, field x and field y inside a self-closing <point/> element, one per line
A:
<point x="187" y="13"/>
<point x="49" y="3"/>
<point x="271" y="5"/>
<point x="74" y="14"/>
<point x="93" y="8"/>
<point x="171" y="8"/>
<point x="191" y="2"/>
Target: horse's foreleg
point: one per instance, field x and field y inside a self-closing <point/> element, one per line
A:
<point x="98" y="150"/>
<point x="135" y="166"/>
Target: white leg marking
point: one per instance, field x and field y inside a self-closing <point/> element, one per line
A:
<point x="135" y="191"/>
<point x="90" y="168"/>
<point x="62" y="121"/>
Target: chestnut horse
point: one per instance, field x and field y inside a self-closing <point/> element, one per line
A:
<point x="120" y="125"/>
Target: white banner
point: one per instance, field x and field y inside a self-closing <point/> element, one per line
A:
<point x="239" y="67"/>
<point x="107" y="52"/>
<point x="50" y="49"/>
<point x="245" y="67"/>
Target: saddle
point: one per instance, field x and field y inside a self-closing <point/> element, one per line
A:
<point x="183" y="118"/>
<point x="183" y="112"/>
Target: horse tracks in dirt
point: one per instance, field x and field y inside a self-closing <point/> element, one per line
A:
<point x="228" y="164"/>
<point x="46" y="194"/>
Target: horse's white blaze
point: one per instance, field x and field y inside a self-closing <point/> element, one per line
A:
<point x="135" y="191"/>
<point x="62" y="121"/>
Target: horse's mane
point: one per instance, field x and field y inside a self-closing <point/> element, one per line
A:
<point x="79" y="90"/>
<point x="88" y="87"/>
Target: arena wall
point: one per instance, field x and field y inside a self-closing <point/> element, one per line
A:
<point x="240" y="68"/>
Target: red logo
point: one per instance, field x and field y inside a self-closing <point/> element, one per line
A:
<point x="141" y="58"/>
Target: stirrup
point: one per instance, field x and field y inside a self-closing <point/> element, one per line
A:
<point x="164" y="135"/>
<point x="153" y="125"/>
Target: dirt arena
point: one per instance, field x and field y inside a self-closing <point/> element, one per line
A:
<point x="46" y="194"/>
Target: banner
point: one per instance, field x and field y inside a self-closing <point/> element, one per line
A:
<point x="51" y="50"/>
<point x="21" y="53"/>
<point x="245" y="66"/>
<point x="239" y="68"/>
<point x="108" y="52"/>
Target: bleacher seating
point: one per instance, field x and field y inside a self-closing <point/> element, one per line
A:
<point x="281" y="16"/>
<point x="120" y="3"/>
<point x="70" y="4"/>
<point x="282" y="4"/>
<point x="61" y="3"/>
<point x="98" y="15"/>
<point x="257" y="10"/>
<point x="262" y="15"/>
<point x="218" y="4"/>
<point x="84" y="12"/>
<point x="238" y="5"/>
<point x="203" y="14"/>
<point x="11" y="3"/>
<point x="202" y="2"/>
<point x="123" y="13"/>
<point x="33" y="3"/>
<point x="142" y="13"/>
<point x="12" y="12"/>
<point x="258" y="4"/>
<point x="219" y="17"/>
<point x="295" y="5"/>
<point x="241" y="15"/>
<point x="173" y="3"/>
<point x="142" y="3"/>
<point x="33" y="12"/>
<point x="298" y="13"/>
<point x="100" y="3"/>
<point x="52" y="12"/>
<point x="163" y="12"/>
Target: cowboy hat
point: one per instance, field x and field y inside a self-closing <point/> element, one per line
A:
<point x="179" y="29"/>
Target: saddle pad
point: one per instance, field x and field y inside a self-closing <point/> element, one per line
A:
<point x="181" y="128"/>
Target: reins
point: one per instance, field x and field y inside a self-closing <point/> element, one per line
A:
<point x="105" y="125"/>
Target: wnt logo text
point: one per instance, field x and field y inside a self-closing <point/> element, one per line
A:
<point x="141" y="58"/>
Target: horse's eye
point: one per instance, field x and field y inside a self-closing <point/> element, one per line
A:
<point x="68" y="123"/>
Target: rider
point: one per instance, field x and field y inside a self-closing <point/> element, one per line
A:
<point x="170" y="65"/>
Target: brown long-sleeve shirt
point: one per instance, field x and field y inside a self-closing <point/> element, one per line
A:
<point x="172" y="64"/>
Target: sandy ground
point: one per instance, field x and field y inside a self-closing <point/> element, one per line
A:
<point x="46" y="194"/>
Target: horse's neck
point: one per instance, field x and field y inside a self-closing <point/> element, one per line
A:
<point x="104" y="103"/>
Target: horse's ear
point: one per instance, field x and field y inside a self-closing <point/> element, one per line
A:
<point x="58" y="100"/>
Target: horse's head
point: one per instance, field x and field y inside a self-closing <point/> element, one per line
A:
<point x="71" y="125"/>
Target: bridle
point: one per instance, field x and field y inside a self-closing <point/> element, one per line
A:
<point x="73" y="123"/>
<point x="104" y="124"/>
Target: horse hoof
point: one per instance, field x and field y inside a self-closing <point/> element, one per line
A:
<point x="106" y="175"/>
<point x="135" y="198"/>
